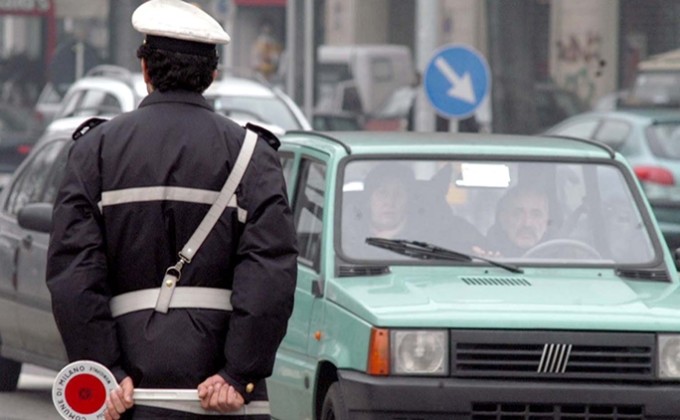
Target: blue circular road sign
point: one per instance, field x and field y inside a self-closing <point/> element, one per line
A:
<point x="457" y="79"/>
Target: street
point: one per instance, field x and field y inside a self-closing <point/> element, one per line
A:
<point x="33" y="399"/>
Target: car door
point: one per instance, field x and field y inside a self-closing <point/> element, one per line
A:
<point x="26" y="252"/>
<point x="295" y="366"/>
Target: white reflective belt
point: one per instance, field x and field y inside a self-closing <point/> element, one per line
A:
<point x="188" y="195"/>
<point x="254" y="408"/>
<point x="182" y="297"/>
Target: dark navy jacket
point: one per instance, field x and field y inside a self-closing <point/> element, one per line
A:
<point x="99" y="250"/>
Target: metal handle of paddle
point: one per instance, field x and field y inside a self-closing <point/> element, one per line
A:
<point x="150" y="394"/>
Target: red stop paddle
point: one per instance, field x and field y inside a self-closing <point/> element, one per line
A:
<point x="81" y="388"/>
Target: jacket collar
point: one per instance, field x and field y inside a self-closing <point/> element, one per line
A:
<point x="175" y="96"/>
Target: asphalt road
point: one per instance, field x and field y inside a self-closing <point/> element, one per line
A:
<point x="33" y="399"/>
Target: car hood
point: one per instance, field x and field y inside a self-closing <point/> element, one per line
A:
<point x="586" y="300"/>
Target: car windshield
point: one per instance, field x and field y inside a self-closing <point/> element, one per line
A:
<point x="529" y="212"/>
<point x="269" y="110"/>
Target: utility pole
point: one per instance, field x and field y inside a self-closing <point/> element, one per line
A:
<point x="512" y="68"/>
<point x="123" y="39"/>
<point x="304" y="34"/>
<point x="428" y="13"/>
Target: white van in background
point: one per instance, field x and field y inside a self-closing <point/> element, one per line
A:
<point x="361" y="80"/>
<point x="657" y="83"/>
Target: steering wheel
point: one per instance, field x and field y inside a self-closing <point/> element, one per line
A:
<point x="560" y="247"/>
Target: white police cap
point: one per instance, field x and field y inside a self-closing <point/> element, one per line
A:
<point x="168" y="20"/>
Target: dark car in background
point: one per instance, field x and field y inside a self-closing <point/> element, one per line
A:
<point x="554" y="104"/>
<point x="650" y="140"/>
<point x="19" y="130"/>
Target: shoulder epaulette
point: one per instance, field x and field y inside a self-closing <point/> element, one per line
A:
<point x="267" y="135"/>
<point x="86" y="126"/>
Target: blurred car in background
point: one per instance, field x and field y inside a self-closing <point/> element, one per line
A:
<point x="337" y="121"/>
<point x="109" y="90"/>
<point x="247" y="100"/>
<point x="650" y="140"/>
<point x="48" y="103"/>
<point x="657" y="82"/>
<point x="19" y="131"/>
<point x="554" y="104"/>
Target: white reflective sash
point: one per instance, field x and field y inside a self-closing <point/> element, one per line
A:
<point x="182" y="297"/>
<point x="188" y="195"/>
<point x="254" y="408"/>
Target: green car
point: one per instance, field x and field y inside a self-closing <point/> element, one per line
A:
<point x="451" y="276"/>
<point x="650" y="140"/>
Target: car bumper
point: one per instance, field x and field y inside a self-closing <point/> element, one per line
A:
<point x="381" y="398"/>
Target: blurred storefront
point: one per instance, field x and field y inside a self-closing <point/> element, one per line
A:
<point x="23" y="55"/>
<point x="586" y="47"/>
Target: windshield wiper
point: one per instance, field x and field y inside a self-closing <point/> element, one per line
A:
<point x="425" y="251"/>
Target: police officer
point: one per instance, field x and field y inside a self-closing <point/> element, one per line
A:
<point x="136" y="189"/>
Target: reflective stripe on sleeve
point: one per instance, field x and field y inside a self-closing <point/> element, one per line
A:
<point x="188" y="195"/>
<point x="182" y="297"/>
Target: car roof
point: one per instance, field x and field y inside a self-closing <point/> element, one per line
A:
<point x="646" y="115"/>
<point x="237" y="86"/>
<point x="114" y="80"/>
<point x="470" y="144"/>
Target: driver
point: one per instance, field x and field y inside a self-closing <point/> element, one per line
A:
<point x="522" y="220"/>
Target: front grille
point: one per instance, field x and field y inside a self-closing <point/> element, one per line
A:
<point x="492" y="411"/>
<point x="553" y="355"/>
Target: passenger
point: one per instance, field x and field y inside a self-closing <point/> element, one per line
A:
<point x="390" y="190"/>
<point x="522" y="220"/>
<point x="397" y="208"/>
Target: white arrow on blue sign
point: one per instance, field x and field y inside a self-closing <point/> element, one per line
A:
<point x="457" y="79"/>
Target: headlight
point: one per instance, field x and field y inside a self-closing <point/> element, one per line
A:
<point x="669" y="356"/>
<point x="419" y="352"/>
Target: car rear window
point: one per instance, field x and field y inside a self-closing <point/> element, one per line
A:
<point x="664" y="140"/>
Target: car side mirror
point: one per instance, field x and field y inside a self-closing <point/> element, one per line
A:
<point x="36" y="216"/>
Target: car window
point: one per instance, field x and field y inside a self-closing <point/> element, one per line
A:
<point x="613" y="132"/>
<point x="269" y="110"/>
<point x="287" y="161"/>
<point x="97" y="102"/>
<point x="58" y="169"/>
<point x="536" y="212"/>
<point x="308" y="211"/>
<point x="29" y="186"/>
<point x="70" y="103"/>
<point x="581" y="129"/>
<point x="664" y="140"/>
